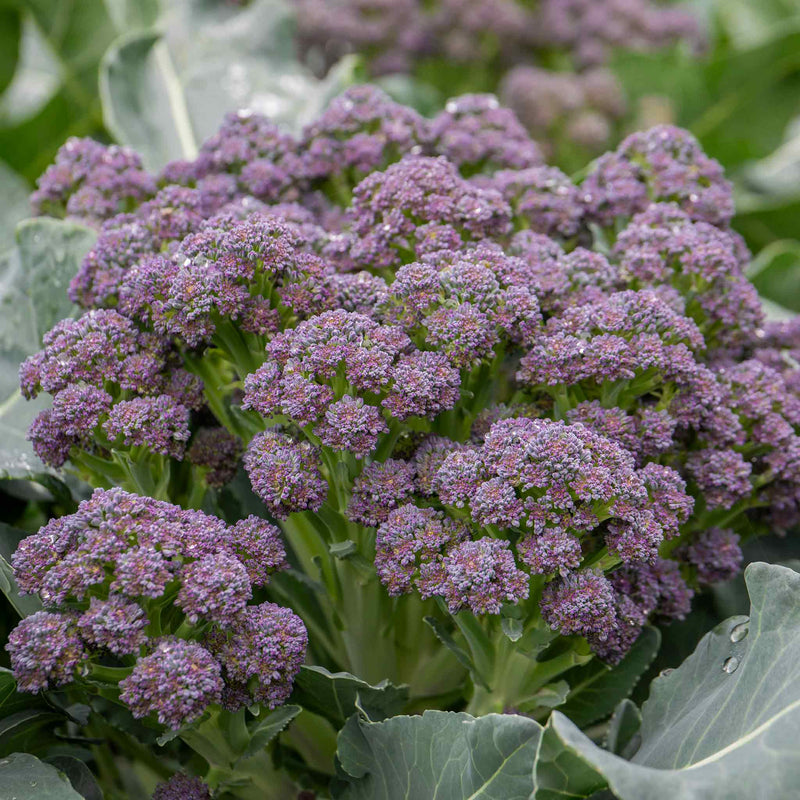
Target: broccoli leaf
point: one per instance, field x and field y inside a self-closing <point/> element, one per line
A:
<point x="596" y="688"/>
<point x="33" y="281"/>
<point x="337" y="695"/>
<point x="726" y="722"/>
<point x="24" y="777"/>
<point x="440" y="754"/>
<point x="163" y="94"/>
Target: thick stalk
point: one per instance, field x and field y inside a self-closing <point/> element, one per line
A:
<point x="368" y="636"/>
<point x="516" y="676"/>
<point x="222" y="741"/>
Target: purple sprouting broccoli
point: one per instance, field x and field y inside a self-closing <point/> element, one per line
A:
<point x="116" y="624"/>
<point x="542" y="199"/>
<point x="479" y="575"/>
<point x="399" y="37"/>
<point x="581" y="603"/>
<point x="92" y="182"/>
<point x="723" y="476"/>
<point x="361" y="131"/>
<point x="715" y="555"/>
<point x="464" y="303"/>
<point x="250" y="152"/>
<point x="361" y="292"/>
<point x="389" y="206"/>
<point x="464" y="27"/>
<point x="146" y="582"/>
<point x="127" y="238"/>
<point x="560" y="279"/>
<point x="590" y="29"/>
<point x="285" y="474"/>
<point x="379" y="489"/>
<point x="46" y="650"/>
<point x="613" y="339"/>
<point x="182" y="787"/>
<point x="158" y="423"/>
<point x="522" y="398"/>
<point x="409" y="538"/>
<point x="176" y="682"/>
<point x="663" y="246"/>
<point x="261" y="652"/>
<point x="218" y="451"/>
<point x="92" y="349"/>
<point x="319" y="374"/>
<point x="478" y="135"/>
<point x="252" y="273"/>
<point x="392" y="33"/>
<point x="110" y="383"/>
<point x="663" y="164"/>
<point x="551" y="494"/>
<point x="657" y="591"/>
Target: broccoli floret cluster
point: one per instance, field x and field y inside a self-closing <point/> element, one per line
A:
<point x="502" y="387"/>
<point x="163" y="592"/>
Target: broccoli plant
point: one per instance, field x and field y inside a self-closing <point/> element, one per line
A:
<point x="495" y="424"/>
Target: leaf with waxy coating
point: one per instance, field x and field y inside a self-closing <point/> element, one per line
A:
<point x="725" y="724"/>
<point x="441" y="754"/>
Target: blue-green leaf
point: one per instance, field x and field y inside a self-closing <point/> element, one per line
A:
<point x="166" y="89"/>
<point x="440" y="754"/>
<point x="24" y="777"/>
<point x="725" y="724"/>
<point x="337" y="695"/>
<point x="596" y="689"/>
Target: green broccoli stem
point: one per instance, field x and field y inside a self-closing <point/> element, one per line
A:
<point x="223" y="740"/>
<point x="516" y="677"/>
<point x="366" y="631"/>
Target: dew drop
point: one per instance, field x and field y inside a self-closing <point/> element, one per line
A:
<point x="740" y="631"/>
<point x="730" y="665"/>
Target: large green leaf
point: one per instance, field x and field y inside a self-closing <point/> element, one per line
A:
<point x="165" y="90"/>
<point x="596" y="689"/>
<point x="725" y="724"/>
<point x="33" y="297"/>
<point x="79" y="775"/>
<point x="24" y="777"/>
<point x="51" y="252"/>
<point x="745" y="23"/>
<point x="25" y="730"/>
<point x="143" y="100"/>
<point x="441" y="754"/>
<point x="623" y="729"/>
<point x="15" y="206"/>
<point x="263" y="731"/>
<point x="337" y="695"/>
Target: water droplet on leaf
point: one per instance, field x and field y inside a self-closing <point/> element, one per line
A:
<point x="740" y="631"/>
<point x="730" y="665"/>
